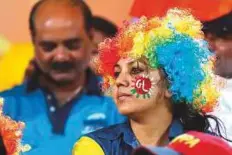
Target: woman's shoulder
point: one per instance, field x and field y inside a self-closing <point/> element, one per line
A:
<point x="111" y="132"/>
<point x="101" y="141"/>
<point x="87" y="145"/>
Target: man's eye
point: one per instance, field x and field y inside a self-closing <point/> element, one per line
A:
<point x="135" y="71"/>
<point x="48" y="47"/>
<point x="72" y="45"/>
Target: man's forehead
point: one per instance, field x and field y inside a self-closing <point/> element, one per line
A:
<point x="56" y="14"/>
<point x="58" y="36"/>
<point x="57" y="23"/>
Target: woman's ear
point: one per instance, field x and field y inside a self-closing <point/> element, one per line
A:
<point x="167" y="94"/>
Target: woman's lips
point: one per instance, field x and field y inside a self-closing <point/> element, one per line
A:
<point x="123" y="96"/>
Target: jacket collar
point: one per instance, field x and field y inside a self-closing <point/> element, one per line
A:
<point x="124" y="130"/>
<point x="129" y="137"/>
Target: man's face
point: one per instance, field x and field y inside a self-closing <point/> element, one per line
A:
<point x="223" y="50"/>
<point x="61" y="42"/>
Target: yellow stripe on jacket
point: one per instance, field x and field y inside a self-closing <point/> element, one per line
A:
<point x="87" y="146"/>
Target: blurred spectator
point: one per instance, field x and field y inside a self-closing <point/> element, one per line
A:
<point x="102" y="29"/>
<point x="61" y="101"/>
<point x="219" y="34"/>
<point x="190" y="143"/>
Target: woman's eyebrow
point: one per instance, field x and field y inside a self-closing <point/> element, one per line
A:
<point x="128" y="63"/>
<point x="116" y="65"/>
<point x="139" y="63"/>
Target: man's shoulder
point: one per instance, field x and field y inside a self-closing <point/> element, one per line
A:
<point x="22" y="105"/>
<point x="17" y="90"/>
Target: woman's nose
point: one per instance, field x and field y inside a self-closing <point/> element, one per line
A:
<point x="122" y="80"/>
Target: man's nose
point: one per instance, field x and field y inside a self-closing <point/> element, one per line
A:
<point x="61" y="54"/>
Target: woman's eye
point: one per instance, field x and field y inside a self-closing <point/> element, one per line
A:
<point x="135" y="71"/>
<point x="116" y="74"/>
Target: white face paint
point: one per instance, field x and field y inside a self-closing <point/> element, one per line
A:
<point x="141" y="85"/>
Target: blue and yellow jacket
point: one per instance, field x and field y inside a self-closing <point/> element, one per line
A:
<point x="115" y="140"/>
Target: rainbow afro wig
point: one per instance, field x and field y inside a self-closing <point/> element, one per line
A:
<point x="173" y="43"/>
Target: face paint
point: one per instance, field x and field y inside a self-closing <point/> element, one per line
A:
<point x="142" y="86"/>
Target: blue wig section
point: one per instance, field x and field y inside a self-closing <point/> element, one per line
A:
<point x="182" y="59"/>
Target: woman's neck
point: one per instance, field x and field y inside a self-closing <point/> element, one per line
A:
<point x="152" y="128"/>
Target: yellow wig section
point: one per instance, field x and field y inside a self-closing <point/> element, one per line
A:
<point x="87" y="146"/>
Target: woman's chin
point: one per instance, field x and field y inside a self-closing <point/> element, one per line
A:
<point x="126" y="109"/>
<point x="126" y="112"/>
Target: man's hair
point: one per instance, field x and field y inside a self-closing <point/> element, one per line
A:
<point x="104" y="26"/>
<point x="83" y="6"/>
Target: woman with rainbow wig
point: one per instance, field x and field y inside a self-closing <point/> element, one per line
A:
<point x="159" y="71"/>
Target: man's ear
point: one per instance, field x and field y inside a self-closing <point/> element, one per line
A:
<point x="91" y="33"/>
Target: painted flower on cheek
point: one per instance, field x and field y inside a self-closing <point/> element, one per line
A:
<point x="142" y="86"/>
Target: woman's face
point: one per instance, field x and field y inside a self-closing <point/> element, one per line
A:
<point x="126" y="72"/>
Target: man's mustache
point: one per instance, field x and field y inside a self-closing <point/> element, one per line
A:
<point x="62" y="66"/>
